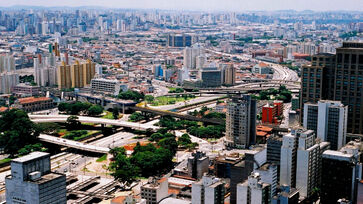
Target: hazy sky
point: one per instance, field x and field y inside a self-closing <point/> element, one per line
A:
<point x="234" y="5"/>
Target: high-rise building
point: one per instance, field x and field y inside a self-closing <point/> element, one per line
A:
<point x="286" y="195"/>
<point x="342" y="170"/>
<point x="254" y="191"/>
<point x="64" y="76"/>
<point x="242" y="169"/>
<point x="209" y="190"/>
<point x="77" y="75"/>
<point x="274" y="143"/>
<point x="268" y="174"/>
<point x="339" y="78"/>
<point x="329" y="120"/>
<point x="241" y="122"/>
<point x="191" y="54"/>
<point x="198" y="164"/>
<point x="228" y="74"/>
<point x="210" y="77"/>
<point x="288" y="160"/>
<point x="7" y="63"/>
<point x="89" y="70"/>
<point x="308" y="168"/>
<point x="316" y="79"/>
<point x="31" y="181"/>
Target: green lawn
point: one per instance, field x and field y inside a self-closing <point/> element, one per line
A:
<point x="5" y="160"/>
<point x="108" y="115"/>
<point x="166" y="100"/>
<point x="103" y="158"/>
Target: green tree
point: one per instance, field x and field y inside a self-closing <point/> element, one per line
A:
<point x="31" y="148"/>
<point x="95" y="110"/>
<point x="16" y="131"/>
<point x="48" y="128"/>
<point x="169" y="143"/>
<point x="149" y="98"/>
<point x="117" y="150"/>
<point x="115" y="113"/>
<point x="123" y="170"/>
<point x="136" y="116"/>
<point x="184" y="140"/>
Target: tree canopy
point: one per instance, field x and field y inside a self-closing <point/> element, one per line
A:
<point x="16" y="131"/>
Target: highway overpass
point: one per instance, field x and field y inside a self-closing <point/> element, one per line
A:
<point x="84" y="119"/>
<point x="73" y="144"/>
<point x="177" y="115"/>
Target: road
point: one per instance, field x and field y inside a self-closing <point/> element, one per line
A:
<point x="281" y="72"/>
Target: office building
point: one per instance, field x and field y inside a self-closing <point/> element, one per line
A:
<point x="180" y="40"/>
<point x="228" y="74"/>
<point x="317" y="79"/>
<point x="31" y="181"/>
<point x="308" y="163"/>
<point x="198" y="164"/>
<point x="342" y="170"/>
<point x="274" y="143"/>
<point x="241" y="121"/>
<point x="106" y="86"/>
<point x="329" y="120"/>
<point x="339" y="78"/>
<point x="209" y="190"/>
<point x="210" y="77"/>
<point x="154" y="190"/>
<point x="254" y="191"/>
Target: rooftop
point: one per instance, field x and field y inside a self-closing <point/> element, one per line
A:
<point x="33" y="99"/>
<point x="31" y="156"/>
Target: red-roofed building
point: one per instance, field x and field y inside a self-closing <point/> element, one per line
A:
<point x="32" y="104"/>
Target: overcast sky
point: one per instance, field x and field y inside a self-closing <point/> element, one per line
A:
<point x="231" y="5"/>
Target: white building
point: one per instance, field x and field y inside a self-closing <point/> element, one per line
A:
<point x="154" y="190"/>
<point x="268" y="174"/>
<point x="191" y="54"/>
<point x="7" y="81"/>
<point x="253" y="191"/>
<point x="209" y="190"/>
<point x="329" y="120"/>
<point x="308" y="168"/>
<point x="288" y="159"/>
<point x="106" y="86"/>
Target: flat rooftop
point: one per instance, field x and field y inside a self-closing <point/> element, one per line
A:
<point x="48" y="177"/>
<point x="31" y="156"/>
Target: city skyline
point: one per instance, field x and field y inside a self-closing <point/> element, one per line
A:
<point x="204" y="5"/>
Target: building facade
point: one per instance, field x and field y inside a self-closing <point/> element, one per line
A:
<point x="241" y="122"/>
<point x="31" y="181"/>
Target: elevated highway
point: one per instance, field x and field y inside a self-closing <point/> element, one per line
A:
<point x="73" y="144"/>
<point x="84" y="119"/>
<point x="177" y="115"/>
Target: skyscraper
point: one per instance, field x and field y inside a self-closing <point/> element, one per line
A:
<point x="191" y="54"/>
<point x="329" y="120"/>
<point x="337" y="77"/>
<point x="288" y="159"/>
<point x="241" y="122"/>
<point x="342" y="170"/>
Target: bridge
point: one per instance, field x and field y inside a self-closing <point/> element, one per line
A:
<point x="177" y="115"/>
<point x="73" y="144"/>
<point x="273" y="81"/>
<point x="84" y="119"/>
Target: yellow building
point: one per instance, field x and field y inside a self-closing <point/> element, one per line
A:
<point x="75" y="76"/>
<point x="64" y="76"/>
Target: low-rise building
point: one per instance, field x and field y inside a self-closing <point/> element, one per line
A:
<point x="154" y="190"/>
<point x="32" y="104"/>
<point x="26" y="90"/>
